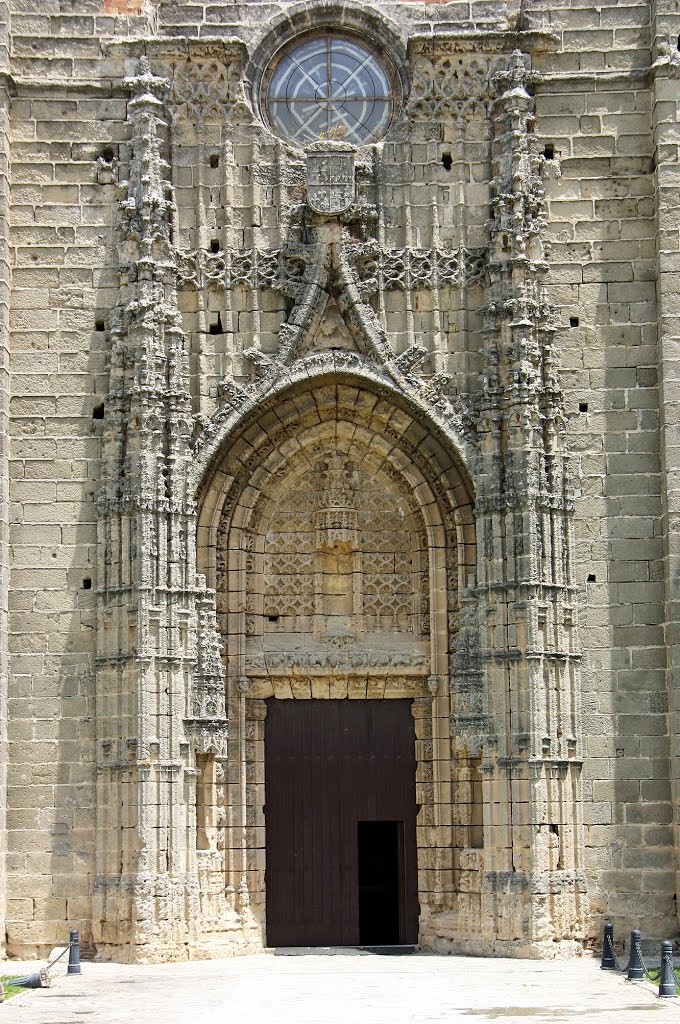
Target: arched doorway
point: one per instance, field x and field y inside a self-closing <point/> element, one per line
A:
<point x="337" y="531"/>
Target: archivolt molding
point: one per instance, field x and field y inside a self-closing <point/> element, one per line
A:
<point x="236" y="516"/>
<point x="378" y="426"/>
<point x="245" y="485"/>
<point x="240" y="403"/>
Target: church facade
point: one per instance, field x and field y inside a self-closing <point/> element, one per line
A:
<point x="338" y="473"/>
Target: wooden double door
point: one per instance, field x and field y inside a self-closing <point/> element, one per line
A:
<point x="340" y="814"/>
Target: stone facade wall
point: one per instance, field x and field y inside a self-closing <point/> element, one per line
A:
<point x="82" y="739"/>
<point x="63" y="286"/>
<point x="602" y="226"/>
<point x="665" y="41"/>
<point x="4" y="407"/>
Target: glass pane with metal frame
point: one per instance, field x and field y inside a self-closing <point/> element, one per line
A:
<point x="330" y="87"/>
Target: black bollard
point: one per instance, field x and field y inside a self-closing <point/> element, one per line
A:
<point x="667" y="977"/>
<point x="635" y="967"/>
<point x="608" y="961"/>
<point x="73" y="954"/>
<point x="40" y="979"/>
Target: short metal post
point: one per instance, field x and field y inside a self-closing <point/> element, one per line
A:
<point x="40" y="979"/>
<point x="73" y="954"/>
<point x="608" y="962"/>
<point x="667" y="977"/>
<point x="635" y="967"/>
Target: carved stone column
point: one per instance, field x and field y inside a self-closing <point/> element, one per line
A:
<point x="146" y="888"/>
<point x="533" y="757"/>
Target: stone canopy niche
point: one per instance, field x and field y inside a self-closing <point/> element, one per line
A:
<point x="341" y="581"/>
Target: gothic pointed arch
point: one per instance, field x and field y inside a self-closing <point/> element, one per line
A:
<point x="336" y="529"/>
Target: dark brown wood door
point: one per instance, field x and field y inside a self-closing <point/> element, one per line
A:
<point x="331" y="765"/>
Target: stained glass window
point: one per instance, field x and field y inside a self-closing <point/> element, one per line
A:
<point x="329" y="87"/>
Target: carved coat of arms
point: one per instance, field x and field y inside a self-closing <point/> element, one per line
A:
<point x="330" y="176"/>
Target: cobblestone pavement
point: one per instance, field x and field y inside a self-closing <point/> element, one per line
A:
<point x="312" y="988"/>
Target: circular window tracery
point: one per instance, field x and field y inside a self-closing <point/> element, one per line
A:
<point x="329" y="86"/>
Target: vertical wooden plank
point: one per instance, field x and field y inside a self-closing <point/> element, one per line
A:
<point x="328" y="765"/>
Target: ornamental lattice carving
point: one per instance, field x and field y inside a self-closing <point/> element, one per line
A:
<point x="208" y="89"/>
<point x="452" y="85"/>
<point x="342" y="557"/>
<point x="283" y="268"/>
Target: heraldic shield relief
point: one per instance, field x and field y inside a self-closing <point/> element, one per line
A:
<point x="330" y="176"/>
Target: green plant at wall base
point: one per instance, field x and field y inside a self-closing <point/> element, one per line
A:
<point x="10" y="989"/>
<point x="654" y="974"/>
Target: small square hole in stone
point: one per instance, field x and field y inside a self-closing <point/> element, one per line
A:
<point x="98" y="412"/>
<point x="87" y="583"/>
<point x="273" y="618"/>
<point x="447" y="161"/>
<point x="573" y="321"/>
<point x="214" y="160"/>
<point x="549" y="151"/>
<point x="583" y="407"/>
<point x="99" y="325"/>
<point x="215" y="245"/>
<point x="591" y="578"/>
<point x="216" y="327"/>
<point x="108" y="155"/>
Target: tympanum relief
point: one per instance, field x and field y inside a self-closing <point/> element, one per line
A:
<point x="341" y="584"/>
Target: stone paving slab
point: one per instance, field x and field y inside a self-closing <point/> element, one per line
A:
<point x="314" y="988"/>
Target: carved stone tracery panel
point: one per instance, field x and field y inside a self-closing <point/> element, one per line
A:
<point x="340" y="558"/>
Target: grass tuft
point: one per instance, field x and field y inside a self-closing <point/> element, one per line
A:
<point x="10" y="989"/>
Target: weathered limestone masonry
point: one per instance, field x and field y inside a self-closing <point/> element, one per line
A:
<point x="602" y="210"/>
<point x="396" y="420"/>
<point x="4" y="431"/>
<point x="665" y="116"/>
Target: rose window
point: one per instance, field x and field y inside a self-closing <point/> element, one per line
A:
<point x="329" y="87"/>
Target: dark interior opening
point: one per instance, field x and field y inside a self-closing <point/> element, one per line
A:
<point x="216" y="327"/>
<point x="380" y="872"/>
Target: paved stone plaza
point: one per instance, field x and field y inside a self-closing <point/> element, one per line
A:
<point x="366" y="989"/>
